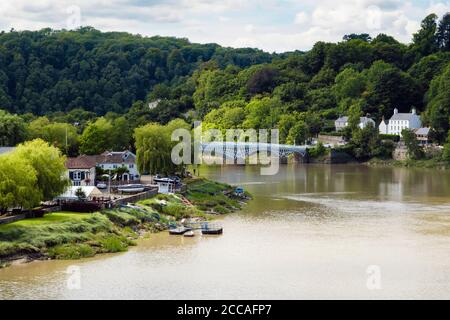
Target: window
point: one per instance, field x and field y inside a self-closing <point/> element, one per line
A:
<point x="131" y="166"/>
<point x="77" y="175"/>
<point x="76" y="183"/>
<point x="115" y="166"/>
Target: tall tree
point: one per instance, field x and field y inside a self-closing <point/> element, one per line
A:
<point x="17" y="184"/>
<point x="12" y="129"/>
<point x="49" y="165"/>
<point x="425" y="40"/>
<point x="154" y="147"/>
<point x="438" y="108"/>
<point x="415" y="151"/>
<point x="443" y="33"/>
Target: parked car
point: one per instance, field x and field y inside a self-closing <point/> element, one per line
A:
<point x="102" y="185"/>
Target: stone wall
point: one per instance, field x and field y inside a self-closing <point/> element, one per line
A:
<point x="400" y="153"/>
<point x="333" y="140"/>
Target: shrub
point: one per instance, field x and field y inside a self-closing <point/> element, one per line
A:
<point x="392" y="137"/>
<point x="71" y="251"/>
<point x="114" y="244"/>
<point x="121" y="218"/>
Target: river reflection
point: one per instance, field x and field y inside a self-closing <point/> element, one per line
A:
<point x="310" y="232"/>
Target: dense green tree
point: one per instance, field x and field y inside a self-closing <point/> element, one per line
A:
<point x="349" y="84"/>
<point x="61" y="135"/>
<point x="154" y="147"/>
<point x="364" y="37"/>
<point x="446" y="152"/>
<point x="49" y="165"/>
<point x="425" y="40"/>
<point x="12" y="129"/>
<point x="263" y="80"/>
<point x="438" y="108"/>
<point x="365" y="142"/>
<point x="17" y="184"/>
<point x="96" y="138"/>
<point x="354" y="115"/>
<point x="443" y="33"/>
<point x="262" y="113"/>
<point x="49" y="71"/>
<point x="388" y="88"/>
<point x="298" y="134"/>
<point x="415" y="151"/>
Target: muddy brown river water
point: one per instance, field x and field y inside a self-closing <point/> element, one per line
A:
<point x="312" y="231"/>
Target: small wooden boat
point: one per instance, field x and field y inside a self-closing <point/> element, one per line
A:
<point x="208" y="228"/>
<point x="133" y="188"/>
<point x="189" y="233"/>
<point x="178" y="231"/>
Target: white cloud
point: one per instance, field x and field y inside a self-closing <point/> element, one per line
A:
<point x="301" y="18"/>
<point x="249" y="28"/>
<point x="272" y="25"/>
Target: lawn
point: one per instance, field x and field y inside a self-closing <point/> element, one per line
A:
<point x="48" y="218"/>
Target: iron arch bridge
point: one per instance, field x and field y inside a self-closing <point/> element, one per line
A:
<point x="242" y="150"/>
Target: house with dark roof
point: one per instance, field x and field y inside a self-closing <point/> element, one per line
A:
<point x="81" y="170"/>
<point x="400" y="121"/>
<point x="111" y="160"/>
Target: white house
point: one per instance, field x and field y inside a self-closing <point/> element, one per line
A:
<point x="81" y="170"/>
<point x="399" y="122"/>
<point x="342" y="122"/>
<point x="111" y="160"/>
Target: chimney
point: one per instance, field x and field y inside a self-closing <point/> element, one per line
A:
<point x="413" y="111"/>
<point x="395" y="111"/>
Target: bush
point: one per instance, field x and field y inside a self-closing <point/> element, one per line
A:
<point x="71" y="251"/>
<point x="114" y="244"/>
<point x="121" y="218"/>
<point x="318" y="151"/>
<point x="391" y="137"/>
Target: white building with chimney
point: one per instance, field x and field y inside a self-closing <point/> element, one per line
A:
<point x="400" y="121"/>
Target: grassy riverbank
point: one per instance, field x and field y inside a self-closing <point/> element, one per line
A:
<point x="428" y="163"/>
<point x="68" y="235"/>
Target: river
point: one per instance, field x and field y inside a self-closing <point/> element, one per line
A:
<point x="312" y="231"/>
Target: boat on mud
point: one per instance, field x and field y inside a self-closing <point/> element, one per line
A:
<point x="131" y="188"/>
<point x="179" y="230"/>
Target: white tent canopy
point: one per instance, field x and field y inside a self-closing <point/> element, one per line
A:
<point x="70" y="194"/>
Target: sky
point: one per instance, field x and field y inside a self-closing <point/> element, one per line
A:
<point x="271" y="25"/>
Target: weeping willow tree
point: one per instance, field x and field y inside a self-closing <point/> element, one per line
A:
<point x="154" y="147"/>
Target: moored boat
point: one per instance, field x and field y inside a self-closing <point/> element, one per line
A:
<point x="179" y="230"/>
<point x="212" y="231"/>
<point x="208" y="228"/>
<point x="131" y="188"/>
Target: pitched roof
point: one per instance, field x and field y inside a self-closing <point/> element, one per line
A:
<point x="116" y="157"/>
<point x="342" y="119"/>
<point x="81" y="162"/>
<point x="403" y="116"/>
<point x="361" y="119"/>
<point x="422" y="131"/>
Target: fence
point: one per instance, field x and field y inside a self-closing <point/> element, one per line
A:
<point x="136" y="197"/>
